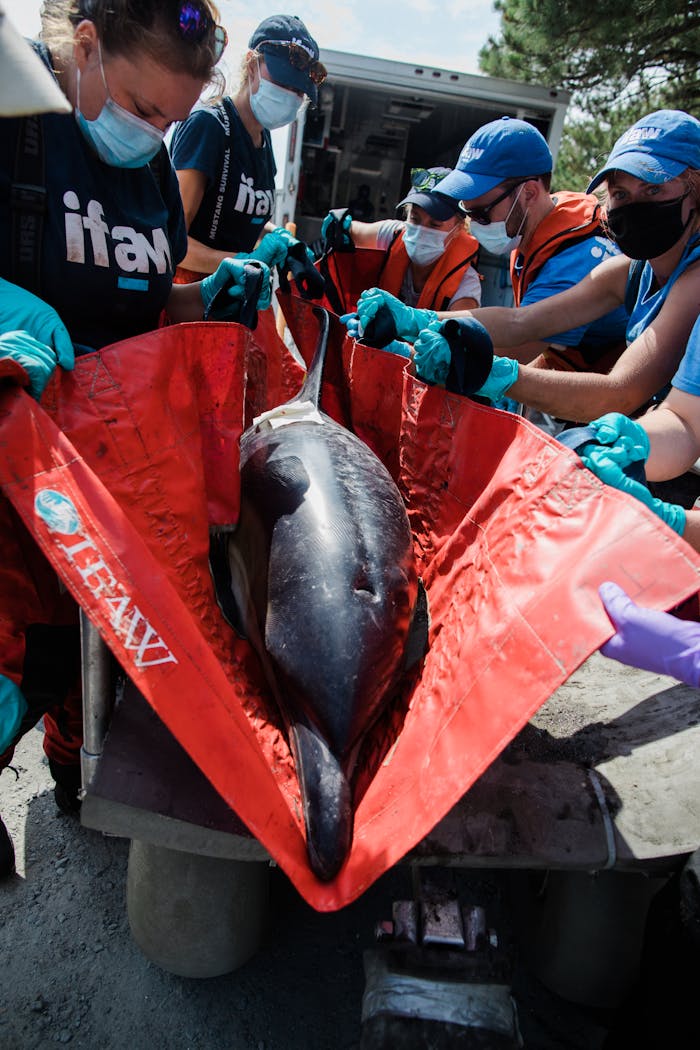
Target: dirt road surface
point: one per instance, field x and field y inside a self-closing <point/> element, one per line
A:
<point x="71" y="973"/>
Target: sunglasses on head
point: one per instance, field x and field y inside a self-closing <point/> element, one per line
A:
<point x="298" y="57"/>
<point x="482" y="215"/>
<point x="194" y="22"/>
<point x="422" y="179"/>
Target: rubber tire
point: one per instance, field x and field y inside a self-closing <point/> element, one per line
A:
<point x="192" y="915"/>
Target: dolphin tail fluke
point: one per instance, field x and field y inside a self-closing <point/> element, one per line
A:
<point x="327" y="801"/>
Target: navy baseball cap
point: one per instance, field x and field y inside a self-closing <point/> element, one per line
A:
<point x="656" y="149"/>
<point x="291" y="54"/>
<point x="425" y="182"/>
<point x="507" y="148"/>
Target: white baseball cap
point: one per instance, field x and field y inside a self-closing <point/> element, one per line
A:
<point x="26" y="85"/>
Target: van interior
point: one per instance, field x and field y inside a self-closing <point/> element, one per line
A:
<point x="363" y="135"/>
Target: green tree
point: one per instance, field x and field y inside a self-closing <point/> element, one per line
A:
<point x="618" y="61"/>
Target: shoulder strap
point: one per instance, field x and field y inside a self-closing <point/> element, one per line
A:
<point x="634" y="279"/>
<point x="28" y="205"/>
<point x="387" y="254"/>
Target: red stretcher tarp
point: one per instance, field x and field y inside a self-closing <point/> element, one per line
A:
<point x="129" y="459"/>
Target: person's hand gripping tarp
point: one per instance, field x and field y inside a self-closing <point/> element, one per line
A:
<point x="33" y="336"/>
<point x="616" y="452"/>
<point x="237" y="289"/>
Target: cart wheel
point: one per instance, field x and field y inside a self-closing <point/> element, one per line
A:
<point x="192" y="915"/>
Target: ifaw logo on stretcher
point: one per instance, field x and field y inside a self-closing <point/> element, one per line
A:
<point x="136" y="633"/>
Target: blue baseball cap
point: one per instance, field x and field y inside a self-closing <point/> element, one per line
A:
<point x="656" y="149"/>
<point x="504" y="149"/>
<point x="275" y="38"/>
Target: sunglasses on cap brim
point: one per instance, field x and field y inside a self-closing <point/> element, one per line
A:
<point x="422" y="179"/>
<point x="298" y="58"/>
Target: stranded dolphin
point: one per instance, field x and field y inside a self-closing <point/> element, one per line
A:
<point x="319" y="575"/>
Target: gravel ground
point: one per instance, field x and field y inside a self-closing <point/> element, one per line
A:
<point x="73" y="975"/>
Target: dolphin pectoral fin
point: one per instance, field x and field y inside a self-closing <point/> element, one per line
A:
<point x="327" y="800"/>
<point x="417" y="640"/>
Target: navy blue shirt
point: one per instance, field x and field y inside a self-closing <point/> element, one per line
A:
<point x="239" y="197"/>
<point x="112" y="237"/>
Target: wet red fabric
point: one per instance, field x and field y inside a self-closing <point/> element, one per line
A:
<point x="351" y="273"/>
<point x="512" y="538"/>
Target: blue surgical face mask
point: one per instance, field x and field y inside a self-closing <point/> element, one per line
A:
<point x="424" y="244"/>
<point x="494" y="236"/>
<point x="274" y="106"/>
<point x="119" y="137"/>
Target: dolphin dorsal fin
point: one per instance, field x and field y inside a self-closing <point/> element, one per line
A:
<point x="311" y="389"/>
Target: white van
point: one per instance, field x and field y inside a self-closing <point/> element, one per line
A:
<point x="376" y="119"/>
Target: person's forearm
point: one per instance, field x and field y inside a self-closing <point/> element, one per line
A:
<point x="364" y="234"/>
<point x="673" y="446"/>
<point x="578" y="396"/>
<point x="601" y="291"/>
<point x="504" y="324"/>
<point x="185" y="303"/>
<point x="526" y="354"/>
<point x="203" y="259"/>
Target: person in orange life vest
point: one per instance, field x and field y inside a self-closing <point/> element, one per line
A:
<point x="430" y="255"/>
<point x="503" y="180"/>
<point x="223" y="152"/>
<point x="652" y="211"/>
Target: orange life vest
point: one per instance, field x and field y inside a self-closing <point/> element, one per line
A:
<point x="445" y="277"/>
<point x="575" y="217"/>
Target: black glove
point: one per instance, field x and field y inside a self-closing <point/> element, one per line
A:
<point x="335" y="230"/>
<point x="472" y="355"/>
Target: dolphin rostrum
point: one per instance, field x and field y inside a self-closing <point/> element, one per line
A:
<point x="319" y="575"/>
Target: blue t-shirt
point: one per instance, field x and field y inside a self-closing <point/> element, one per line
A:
<point x="111" y="240"/>
<point x="565" y="269"/>
<point x="239" y="197"/>
<point x="687" y="378"/>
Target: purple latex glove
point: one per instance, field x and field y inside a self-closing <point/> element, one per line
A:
<point x="654" y="641"/>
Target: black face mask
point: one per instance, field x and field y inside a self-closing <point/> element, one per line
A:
<point x="645" y="231"/>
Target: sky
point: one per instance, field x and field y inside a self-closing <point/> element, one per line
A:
<point x="447" y="34"/>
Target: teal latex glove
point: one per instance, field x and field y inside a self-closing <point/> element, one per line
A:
<point x="503" y="374"/>
<point x="599" y="463"/>
<point x="397" y="346"/>
<point x="432" y="355"/>
<point x="626" y="441"/>
<point x="273" y="248"/>
<point x="409" y="322"/>
<point x="20" y="311"/>
<point x="228" y="279"/>
<point x="37" y="359"/>
<point x="13" y="707"/>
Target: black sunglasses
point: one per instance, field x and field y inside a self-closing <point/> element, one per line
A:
<point x="297" y="56"/>
<point x="481" y="215"/>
